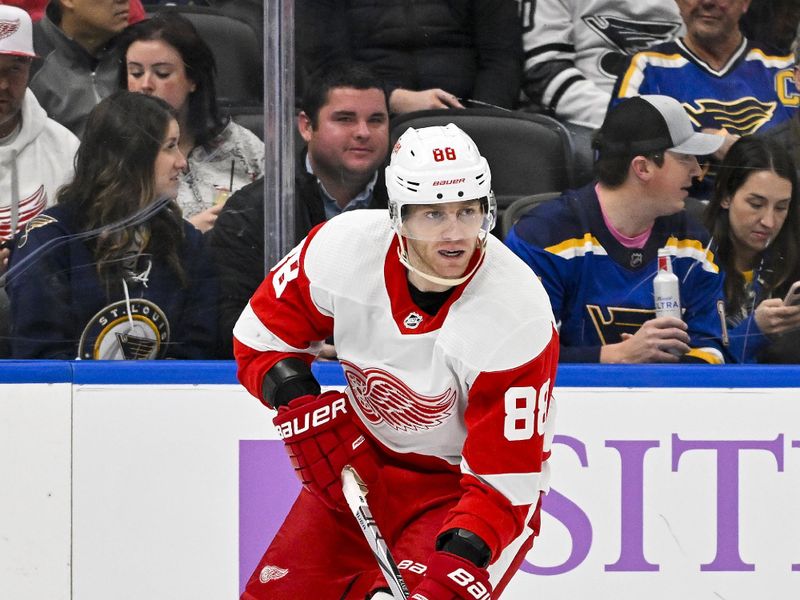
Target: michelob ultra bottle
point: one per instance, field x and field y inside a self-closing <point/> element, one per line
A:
<point x="666" y="289"/>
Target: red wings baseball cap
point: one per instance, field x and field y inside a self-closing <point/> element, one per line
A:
<point x="16" y="32"/>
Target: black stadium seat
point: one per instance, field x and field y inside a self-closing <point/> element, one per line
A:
<point x="520" y="206"/>
<point x="527" y="153"/>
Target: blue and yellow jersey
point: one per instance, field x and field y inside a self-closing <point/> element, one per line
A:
<point x="599" y="289"/>
<point x="752" y="92"/>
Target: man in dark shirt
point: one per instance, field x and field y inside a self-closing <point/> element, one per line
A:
<point x="76" y="41"/>
<point x="345" y="123"/>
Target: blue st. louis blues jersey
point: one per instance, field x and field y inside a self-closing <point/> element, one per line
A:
<point x="600" y="289"/>
<point x="753" y="92"/>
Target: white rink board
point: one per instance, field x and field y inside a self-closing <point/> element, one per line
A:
<point x="156" y="489"/>
<point x="155" y="493"/>
<point x="35" y="491"/>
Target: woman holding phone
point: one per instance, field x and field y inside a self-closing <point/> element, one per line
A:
<point x="754" y="220"/>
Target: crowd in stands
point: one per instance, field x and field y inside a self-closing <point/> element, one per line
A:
<point x="131" y="202"/>
<point x="165" y="57"/>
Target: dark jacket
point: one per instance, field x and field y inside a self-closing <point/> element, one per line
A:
<point x="470" y="48"/>
<point x="787" y="134"/>
<point x="58" y="299"/>
<point x="67" y="80"/>
<point x="237" y="240"/>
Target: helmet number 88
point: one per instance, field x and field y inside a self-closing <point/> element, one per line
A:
<point x="440" y="154"/>
<point x="525" y="417"/>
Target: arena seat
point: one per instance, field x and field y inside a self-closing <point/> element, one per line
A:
<point x="250" y="117"/>
<point x="527" y="153"/>
<point x="520" y="206"/>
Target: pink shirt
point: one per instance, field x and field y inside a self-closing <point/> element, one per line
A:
<point x="637" y="241"/>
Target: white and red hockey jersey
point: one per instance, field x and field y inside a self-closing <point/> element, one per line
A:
<point x="469" y="388"/>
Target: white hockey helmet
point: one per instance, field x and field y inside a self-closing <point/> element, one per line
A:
<point x="434" y="165"/>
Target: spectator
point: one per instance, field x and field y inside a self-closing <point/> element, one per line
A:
<point x="76" y="40"/>
<point x="575" y="50"/>
<point x="165" y="57"/>
<point x="437" y="54"/>
<point x="112" y="271"/>
<point x="345" y="124"/>
<point x="754" y="220"/>
<point x="726" y="82"/>
<point x="787" y="133"/>
<point x="36" y="8"/>
<point x="35" y="152"/>
<point x="596" y="248"/>
<point x="772" y="24"/>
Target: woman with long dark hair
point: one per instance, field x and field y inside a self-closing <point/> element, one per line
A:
<point x="113" y="271"/>
<point x="754" y="220"/>
<point x="165" y="57"/>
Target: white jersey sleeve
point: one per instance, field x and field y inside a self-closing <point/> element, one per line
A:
<point x="575" y="50"/>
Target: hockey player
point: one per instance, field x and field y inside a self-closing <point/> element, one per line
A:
<point x="449" y="350"/>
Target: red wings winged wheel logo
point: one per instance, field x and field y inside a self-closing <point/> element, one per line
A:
<point x="383" y="398"/>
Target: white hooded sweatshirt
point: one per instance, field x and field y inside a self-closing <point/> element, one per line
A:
<point x="34" y="163"/>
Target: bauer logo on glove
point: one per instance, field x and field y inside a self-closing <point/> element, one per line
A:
<point x="308" y="421"/>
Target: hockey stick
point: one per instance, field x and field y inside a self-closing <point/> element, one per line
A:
<point x="355" y="492"/>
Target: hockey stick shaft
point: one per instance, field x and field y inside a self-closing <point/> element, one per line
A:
<point x="355" y="492"/>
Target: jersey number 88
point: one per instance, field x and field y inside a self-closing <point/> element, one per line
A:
<point x="524" y="416"/>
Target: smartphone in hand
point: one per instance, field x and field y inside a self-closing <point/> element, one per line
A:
<point x="793" y="295"/>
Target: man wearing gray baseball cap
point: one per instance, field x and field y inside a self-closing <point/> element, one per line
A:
<point x="648" y="124"/>
<point x="596" y="248"/>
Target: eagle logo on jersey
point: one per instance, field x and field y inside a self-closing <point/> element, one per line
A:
<point x="8" y="28"/>
<point x="383" y="398"/>
<point x="628" y="37"/>
<point x="619" y="320"/>
<point x="741" y="117"/>
<point x="27" y="209"/>
<point x="270" y="572"/>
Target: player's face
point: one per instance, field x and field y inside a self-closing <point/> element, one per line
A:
<point x="14" y="72"/>
<point x="441" y="239"/>
<point x="709" y="21"/>
<point x="351" y="138"/>
<point x="169" y="165"/>
<point x="671" y="182"/>
<point x="156" y="68"/>
<point x="756" y="213"/>
<point x="104" y="17"/>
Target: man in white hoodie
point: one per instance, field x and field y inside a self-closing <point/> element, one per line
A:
<point x="36" y="153"/>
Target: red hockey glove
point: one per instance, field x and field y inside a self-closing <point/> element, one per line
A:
<point x="321" y="438"/>
<point x="450" y="577"/>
